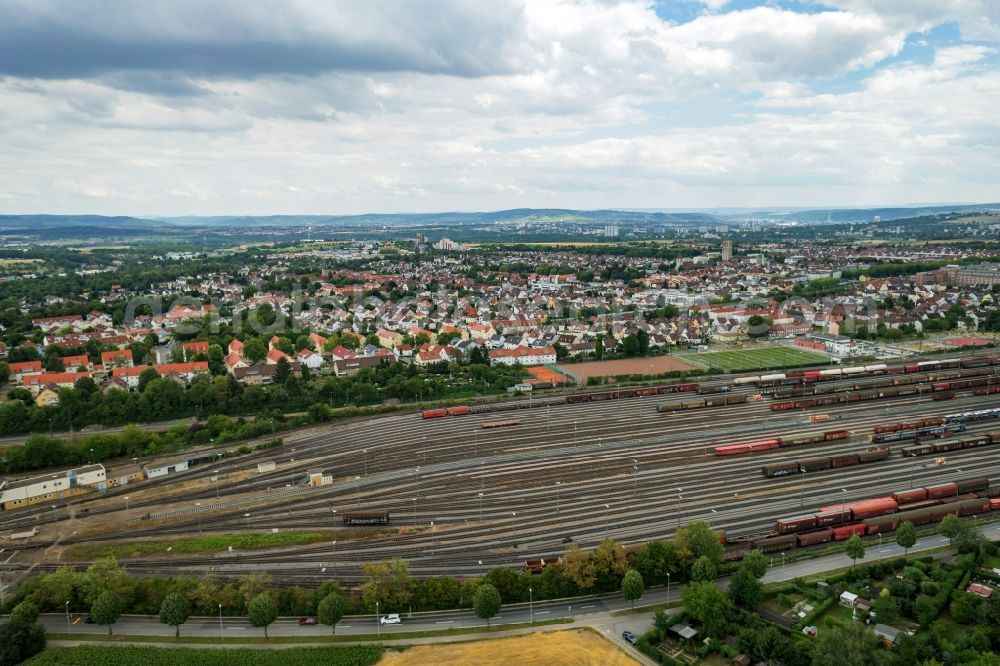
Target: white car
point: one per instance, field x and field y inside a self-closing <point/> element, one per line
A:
<point x="389" y="619"/>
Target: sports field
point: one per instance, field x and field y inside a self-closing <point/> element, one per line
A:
<point x="763" y="358"/>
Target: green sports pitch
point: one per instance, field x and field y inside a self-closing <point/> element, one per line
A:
<point x="764" y="358"/>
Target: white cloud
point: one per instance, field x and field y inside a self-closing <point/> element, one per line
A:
<point x="559" y="103"/>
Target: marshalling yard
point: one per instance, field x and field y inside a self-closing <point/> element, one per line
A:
<point x="452" y="497"/>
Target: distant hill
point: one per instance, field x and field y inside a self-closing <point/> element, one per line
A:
<point x="847" y="215"/>
<point x="36" y="222"/>
<point x="515" y="215"/>
<point x="640" y="217"/>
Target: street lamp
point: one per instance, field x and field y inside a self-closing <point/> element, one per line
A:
<point x="668" y="589"/>
<point x="480" y="506"/>
<point x="334" y="567"/>
<point x="414" y="511"/>
<point x="677" y="507"/>
<point x="606" y="507"/>
<point x="531" y="606"/>
<point x="513" y="524"/>
<point x="365" y="451"/>
<point x="246" y="521"/>
<point x="378" y="622"/>
<point x="558" y="483"/>
<point x="222" y="636"/>
<point x="216" y="479"/>
<point x="126" y="503"/>
<point x="197" y="506"/>
<point x="67" y="617"/>
<point x="802" y="487"/>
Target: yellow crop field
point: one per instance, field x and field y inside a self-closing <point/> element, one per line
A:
<point x="557" y="648"/>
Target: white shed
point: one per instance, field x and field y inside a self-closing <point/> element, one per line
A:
<point x="848" y="599"/>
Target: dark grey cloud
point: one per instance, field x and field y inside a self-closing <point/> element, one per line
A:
<point x="95" y="39"/>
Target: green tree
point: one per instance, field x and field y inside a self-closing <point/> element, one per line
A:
<point x="262" y="611"/>
<point x="885" y="607"/>
<point x="20" y="640"/>
<point x="106" y="609"/>
<point x="599" y="347"/>
<point x="745" y="589"/>
<point x="950" y="526"/>
<point x="579" y="567"/>
<point x="854" y="548"/>
<point x="965" y="607"/>
<point x="216" y="360"/>
<point x="331" y="610"/>
<point x="175" y="611"/>
<point x="4" y="372"/>
<point x="388" y="582"/>
<point x="632" y="586"/>
<point x="756" y="562"/>
<point x="486" y="602"/>
<point x="254" y="350"/>
<point x="610" y="563"/>
<point x="705" y="602"/>
<point x="700" y="539"/>
<point x="282" y="372"/>
<point x="25" y="611"/>
<point x="703" y="570"/>
<point x="146" y="376"/>
<point x="906" y="536"/>
<point x="851" y="645"/>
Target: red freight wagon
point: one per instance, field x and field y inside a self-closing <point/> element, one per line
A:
<point x="942" y="490"/>
<point x="457" y="411"/>
<point x="844" y="533"/>
<point x="836" y="516"/>
<point x="434" y="413"/>
<point x="910" y="496"/>
<point x="786" y="525"/>
<point x="814" y="537"/>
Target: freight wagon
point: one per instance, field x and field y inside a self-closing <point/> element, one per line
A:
<point x="366" y="518"/>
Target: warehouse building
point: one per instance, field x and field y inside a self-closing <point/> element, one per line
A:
<point x="50" y="487"/>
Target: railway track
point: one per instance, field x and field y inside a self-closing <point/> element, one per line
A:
<point x="542" y="481"/>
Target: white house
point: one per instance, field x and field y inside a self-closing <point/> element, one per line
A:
<point x="310" y="359"/>
<point x="523" y="355"/>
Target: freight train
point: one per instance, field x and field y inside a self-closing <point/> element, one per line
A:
<point x="596" y="396"/>
<point x="837" y="522"/>
<point x="941" y="381"/>
<point x="811" y="376"/>
<point x="776" y="442"/>
<point x="944" y="446"/>
<point x="873" y="454"/>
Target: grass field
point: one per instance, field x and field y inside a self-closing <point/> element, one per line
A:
<point x="202" y="544"/>
<point x="129" y="655"/>
<point x="763" y="358"/>
<point x="557" y="648"/>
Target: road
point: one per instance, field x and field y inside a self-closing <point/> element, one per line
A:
<point x="593" y="611"/>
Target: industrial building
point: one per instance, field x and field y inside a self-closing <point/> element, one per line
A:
<point x="49" y="487"/>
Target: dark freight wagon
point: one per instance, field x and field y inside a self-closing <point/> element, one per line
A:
<point x="366" y="518"/>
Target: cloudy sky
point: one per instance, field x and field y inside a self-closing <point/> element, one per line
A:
<point x="175" y="107"/>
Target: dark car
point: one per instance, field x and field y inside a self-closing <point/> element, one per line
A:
<point x="89" y="620"/>
<point x="630" y="637"/>
<point x="308" y="620"/>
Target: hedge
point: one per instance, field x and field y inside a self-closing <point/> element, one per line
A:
<point x="110" y="655"/>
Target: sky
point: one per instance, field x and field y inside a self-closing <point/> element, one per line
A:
<point x="175" y="107"/>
